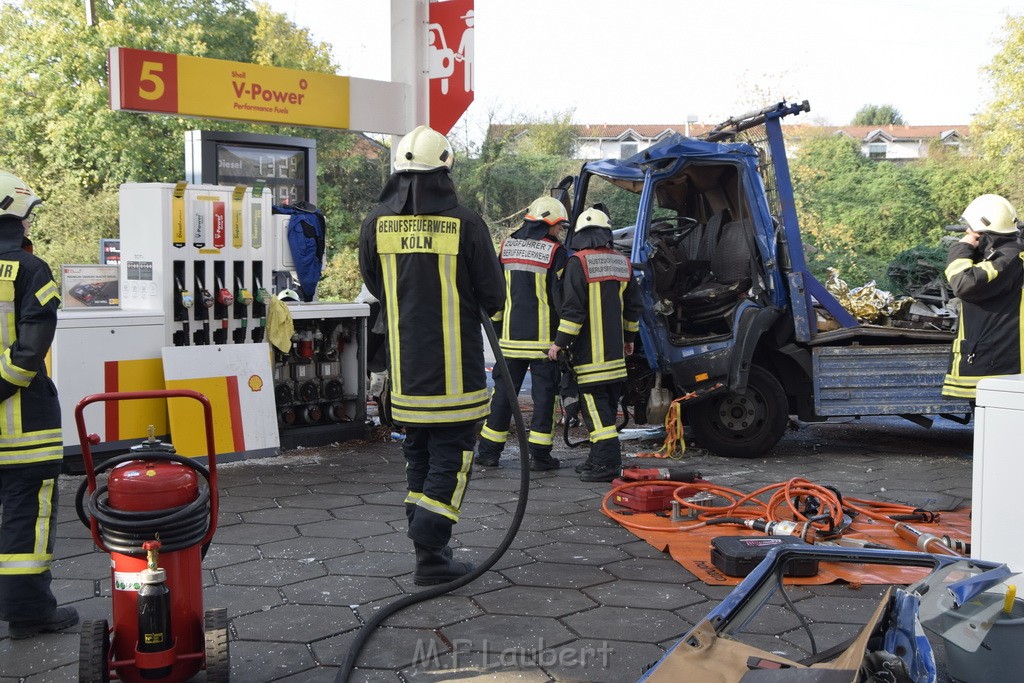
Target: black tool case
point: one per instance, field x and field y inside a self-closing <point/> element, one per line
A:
<point x="738" y="555"/>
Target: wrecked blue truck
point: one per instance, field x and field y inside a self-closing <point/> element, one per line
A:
<point x="731" y="311"/>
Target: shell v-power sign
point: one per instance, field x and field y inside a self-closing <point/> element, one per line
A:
<point x="161" y="82"/>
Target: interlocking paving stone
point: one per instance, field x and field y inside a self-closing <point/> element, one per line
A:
<point x="320" y="501"/>
<point x="36" y="655"/>
<point x="623" y="623"/>
<point x="264" y="660"/>
<point x="577" y="553"/>
<point x="302" y="548"/>
<point x="640" y="594"/>
<point x="436" y="613"/>
<point x="238" y="600"/>
<point x="493" y="633"/>
<point x="289" y="515"/>
<point x="557" y="575"/>
<point x="383" y="513"/>
<point x="492" y="537"/>
<point x="352" y="487"/>
<point x="345" y="528"/>
<point x="224" y="554"/>
<point x="268" y="490"/>
<point x="535" y="601"/>
<point x="857" y="457"/>
<point x="252" y="534"/>
<point x="388" y="648"/>
<point x="242" y="503"/>
<point x="269" y="572"/>
<point x="94" y="566"/>
<point x="372" y="564"/>
<point x="295" y="623"/>
<point x="600" y="661"/>
<point x="341" y="590"/>
<point x="473" y="666"/>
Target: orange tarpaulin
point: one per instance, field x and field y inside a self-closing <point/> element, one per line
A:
<point x="692" y="549"/>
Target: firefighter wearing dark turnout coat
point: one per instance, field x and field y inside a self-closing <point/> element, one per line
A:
<point x="31" y="446"/>
<point x="986" y="272"/>
<point x="533" y="260"/>
<point x="431" y="264"/>
<point x="599" y="320"/>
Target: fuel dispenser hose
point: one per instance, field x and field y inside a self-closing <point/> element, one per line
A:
<point x="367" y="630"/>
<point x="124" y="531"/>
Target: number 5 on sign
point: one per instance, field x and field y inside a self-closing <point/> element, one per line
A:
<point x="143" y="80"/>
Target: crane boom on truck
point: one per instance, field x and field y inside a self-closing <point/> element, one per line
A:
<point x="728" y="298"/>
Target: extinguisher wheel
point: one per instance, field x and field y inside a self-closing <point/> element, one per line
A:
<point x="94" y="652"/>
<point x="218" y="665"/>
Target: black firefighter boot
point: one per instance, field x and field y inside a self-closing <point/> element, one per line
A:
<point x="434" y="566"/>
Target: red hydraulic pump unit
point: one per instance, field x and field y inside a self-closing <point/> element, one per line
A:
<point x="155" y="514"/>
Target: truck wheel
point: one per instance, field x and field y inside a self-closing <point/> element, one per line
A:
<point x="744" y="425"/>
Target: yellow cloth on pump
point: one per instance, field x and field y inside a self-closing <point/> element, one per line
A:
<point x="280" y="327"/>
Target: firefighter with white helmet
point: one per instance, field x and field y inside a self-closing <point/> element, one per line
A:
<point x="600" y="317"/>
<point x="31" y="444"/>
<point x="986" y="271"/>
<point x="430" y="262"/>
<point x="533" y="259"/>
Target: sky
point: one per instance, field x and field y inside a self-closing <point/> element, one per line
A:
<point x="658" y="61"/>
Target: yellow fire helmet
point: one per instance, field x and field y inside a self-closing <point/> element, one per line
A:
<point x="991" y="213"/>
<point x="422" y="150"/>
<point x="547" y="209"/>
<point x="16" y="197"/>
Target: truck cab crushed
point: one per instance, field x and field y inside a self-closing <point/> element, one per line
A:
<point x="728" y="299"/>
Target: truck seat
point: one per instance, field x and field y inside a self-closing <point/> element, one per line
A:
<point x="728" y="280"/>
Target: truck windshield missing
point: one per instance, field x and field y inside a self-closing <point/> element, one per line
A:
<point x="728" y="300"/>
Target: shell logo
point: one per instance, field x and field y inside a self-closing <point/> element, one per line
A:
<point x="255" y="382"/>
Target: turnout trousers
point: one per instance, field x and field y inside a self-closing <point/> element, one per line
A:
<point x="545" y="378"/>
<point x="28" y="503"/>
<point x="437" y="460"/>
<point x="600" y="403"/>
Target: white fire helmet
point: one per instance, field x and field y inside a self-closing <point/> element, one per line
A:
<point x="422" y="150"/>
<point x="547" y="209"/>
<point x="991" y="213"/>
<point x="16" y="198"/>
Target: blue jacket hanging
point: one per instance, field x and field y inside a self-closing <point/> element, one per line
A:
<point x="307" y="232"/>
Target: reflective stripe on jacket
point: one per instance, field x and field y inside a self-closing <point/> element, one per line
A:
<point x="30" y="430"/>
<point x="600" y="313"/>
<point x="990" y="339"/>
<point x="432" y="273"/>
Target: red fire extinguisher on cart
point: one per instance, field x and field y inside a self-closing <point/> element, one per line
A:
<point x="155" y="514"/>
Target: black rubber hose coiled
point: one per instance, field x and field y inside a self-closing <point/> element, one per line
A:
<point x="124" y="531"/>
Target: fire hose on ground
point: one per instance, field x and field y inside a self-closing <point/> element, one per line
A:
<point x="367" y="630"/>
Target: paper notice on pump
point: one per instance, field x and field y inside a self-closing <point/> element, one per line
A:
<point x="209" y="222"/>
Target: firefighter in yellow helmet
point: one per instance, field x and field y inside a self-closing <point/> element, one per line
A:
<point x="430" y="262"/>
<point x="986" y="272"/>
<point x="31" y="445"/>
<point x="600" y="317"/>
<point x="533" y="260"/>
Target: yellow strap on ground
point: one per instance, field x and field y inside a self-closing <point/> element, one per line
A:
<point x="675" y="445"/>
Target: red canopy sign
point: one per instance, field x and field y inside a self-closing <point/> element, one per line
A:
<point x="452" y="65"/>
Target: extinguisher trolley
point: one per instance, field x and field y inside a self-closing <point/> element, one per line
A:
<point x="156" y="520"/>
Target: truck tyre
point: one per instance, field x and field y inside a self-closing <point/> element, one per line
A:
<point x="744" y="425"/>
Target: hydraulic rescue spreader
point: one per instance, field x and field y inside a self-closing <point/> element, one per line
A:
<point x="156" y="518"/>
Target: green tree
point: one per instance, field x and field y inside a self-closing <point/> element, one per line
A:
<point x="517" y="163"/>
<point x="878" y="115"/>
<point x="998" y="130"/>
<point x="857" y="214"/>
<point x="62" y="136"/>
